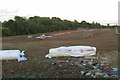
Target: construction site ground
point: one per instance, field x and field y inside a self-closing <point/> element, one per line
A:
<point x="37" y="66"/>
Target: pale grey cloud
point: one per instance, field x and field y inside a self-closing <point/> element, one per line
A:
<point x="4" y="12"/>
<point x="7" y="14"/>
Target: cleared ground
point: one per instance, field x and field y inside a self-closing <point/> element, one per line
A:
<point x="37" y="65"/>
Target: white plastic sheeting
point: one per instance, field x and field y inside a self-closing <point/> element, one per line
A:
<point x="12" y="54"/>
<point x="74" y="51"/>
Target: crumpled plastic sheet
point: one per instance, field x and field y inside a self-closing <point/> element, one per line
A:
<point x="74" y="51"/>
<point x="12" y="54"/>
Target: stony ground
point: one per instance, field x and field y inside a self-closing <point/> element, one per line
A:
<point x="35" y="49"/>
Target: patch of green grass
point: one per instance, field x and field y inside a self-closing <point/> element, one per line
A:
<point x="71" y="70"/>
<point x="21" y="76"/>
<point x="45" y="64"/>
<point x="65" y="58"/>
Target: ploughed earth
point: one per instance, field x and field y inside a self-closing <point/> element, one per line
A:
<point x="37" y="66"/>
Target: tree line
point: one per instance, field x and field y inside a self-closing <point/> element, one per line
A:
<point x="24" y="26"/>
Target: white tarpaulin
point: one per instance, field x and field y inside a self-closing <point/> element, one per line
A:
<point x="12" y="54"/>
<point x="74" y="51"/>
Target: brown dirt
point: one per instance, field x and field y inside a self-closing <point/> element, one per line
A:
<point x="35" y="49"/>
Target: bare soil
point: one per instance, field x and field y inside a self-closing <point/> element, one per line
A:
<point x="106" y="42"/>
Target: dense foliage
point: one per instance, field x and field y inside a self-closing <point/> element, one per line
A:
<point x="36" y="24"/>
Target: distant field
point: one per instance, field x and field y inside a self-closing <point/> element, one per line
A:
<point x="35" y="49"/>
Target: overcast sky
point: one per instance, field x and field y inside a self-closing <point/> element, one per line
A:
<point x="103" y="11"/>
